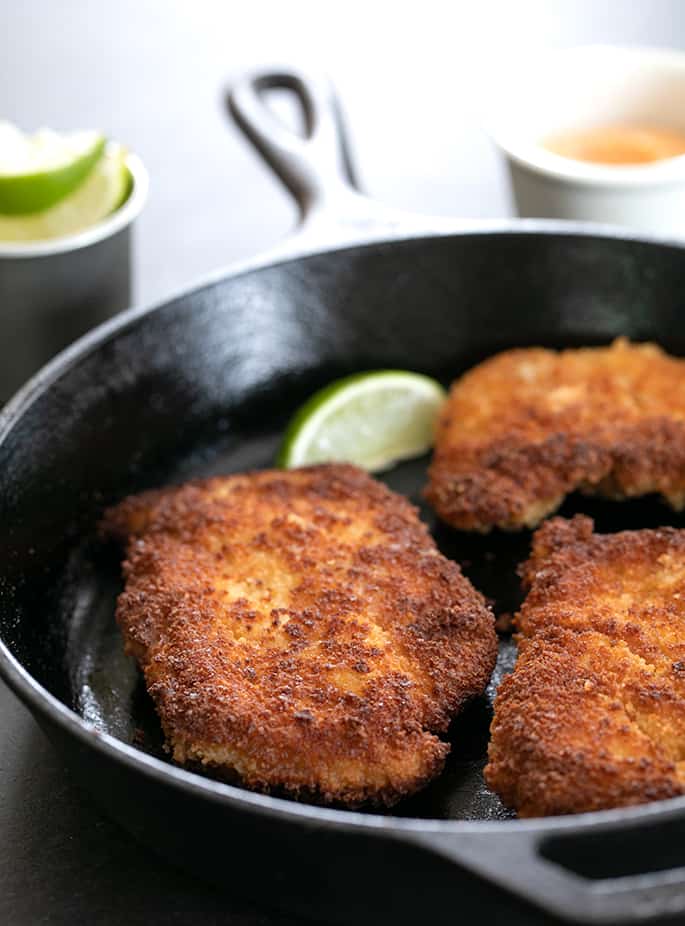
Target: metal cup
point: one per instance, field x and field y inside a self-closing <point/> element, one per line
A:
<point x="52" y="292"/>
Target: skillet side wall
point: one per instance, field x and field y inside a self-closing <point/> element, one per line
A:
<point x="319" y="873"/>
<point x="239" y="354"/>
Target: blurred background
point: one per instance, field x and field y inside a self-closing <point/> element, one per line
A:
<point x="152" y="74"/>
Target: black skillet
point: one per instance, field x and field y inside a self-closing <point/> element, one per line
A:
<point x="203" y="384"/>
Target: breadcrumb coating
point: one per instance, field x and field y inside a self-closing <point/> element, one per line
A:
<point x="299" y="631"/>
<point x="593" y="715"/>
<point x="526" y="427"/>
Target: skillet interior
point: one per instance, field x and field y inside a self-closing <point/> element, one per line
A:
<point x="206" y="384"/>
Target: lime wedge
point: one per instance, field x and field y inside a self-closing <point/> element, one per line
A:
<point x="372" y="419"/>
<point x="104" y="190"/>
<point x="37" y="171"/>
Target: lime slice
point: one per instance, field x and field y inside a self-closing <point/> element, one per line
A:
<point x="103" y="191"/>
<point x="372" y="419"/>
<point x="37" y="171"/>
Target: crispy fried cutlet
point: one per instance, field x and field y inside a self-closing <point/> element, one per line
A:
<point x="526" y="427"/>
<point x="593" y="715"/>
<point x="300" y="630"/>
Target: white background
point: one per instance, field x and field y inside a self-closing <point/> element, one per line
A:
<point x="410" y="75"/>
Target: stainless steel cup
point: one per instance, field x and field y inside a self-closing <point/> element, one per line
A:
<point x="51" y="292"/>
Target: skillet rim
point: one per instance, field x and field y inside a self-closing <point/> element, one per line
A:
<point x="43" y="704"/>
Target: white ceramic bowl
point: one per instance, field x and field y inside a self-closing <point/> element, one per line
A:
<point x="580" y="88"/>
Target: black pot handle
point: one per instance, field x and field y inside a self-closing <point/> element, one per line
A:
<point x="522" y="861"/>
<point x="317" y="167"/>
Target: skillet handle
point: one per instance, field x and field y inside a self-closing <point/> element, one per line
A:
<point x="317" y="168"/>
<point x="516" y="861"/>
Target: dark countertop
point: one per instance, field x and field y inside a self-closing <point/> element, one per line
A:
<point x="62" y="862"/>
<point x="152" y="75"/>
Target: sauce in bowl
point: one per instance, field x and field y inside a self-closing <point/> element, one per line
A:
<point x="617" y="144"/>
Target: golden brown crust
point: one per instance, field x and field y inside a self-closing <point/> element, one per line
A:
<point x="301" y="630"/>
<point x="593" y="715"/>
<point x="526" y="427"/>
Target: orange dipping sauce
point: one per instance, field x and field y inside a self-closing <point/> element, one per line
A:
<point x="617" y="144"/>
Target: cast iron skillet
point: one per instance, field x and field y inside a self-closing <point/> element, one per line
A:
<point x="204" y="384"/>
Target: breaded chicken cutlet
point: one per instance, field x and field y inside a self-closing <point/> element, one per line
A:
<point x="526" y="427"/>
<point x="593" y="715"/>
<point x="300" y="631"/>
